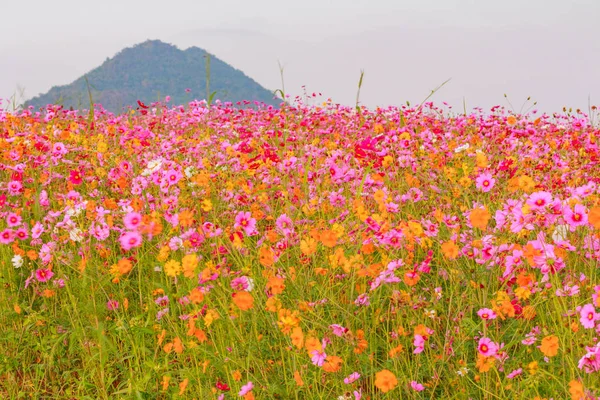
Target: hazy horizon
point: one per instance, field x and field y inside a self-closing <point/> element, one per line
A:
<point x="543" y="49"/>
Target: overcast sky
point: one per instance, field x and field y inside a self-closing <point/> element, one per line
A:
<point x="546" y="49"/>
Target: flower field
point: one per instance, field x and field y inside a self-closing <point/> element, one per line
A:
<point x="299" y="253"/>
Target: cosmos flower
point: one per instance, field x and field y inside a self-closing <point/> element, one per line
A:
<point x="487" y="347"/>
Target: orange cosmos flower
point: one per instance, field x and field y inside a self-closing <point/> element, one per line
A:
<point x="298" y="378"/>
<point x="332" y="364"/>
<point x="396" y="351"/>
<point x="243" y="300"/>
<point x="484" y="364"/>
<point x="186" y="218"/>
<point x="450" y="250"/>
<point x="594" y="217"/>
<point x="479" y="218"/>
<point x="576" y="390"/>
<point x="276" y="285"/>
<point x="297" y="337"/>
<point x="411" y="278"/>
<point x="183" y="385"/>
<point x="273" y="304"/>
<point x="361" y="342"/>
<point x="385" y="380"/>
<point x="196" y="296"/>
<point x="549" y="346"/>
<point x="266" y="257"/>
<point x="124" y="266"/>
<point x="287" y="320"/>
<point x="328" y="238"/>
<point x="165" y="383"/>
<point x="312" y="343"/>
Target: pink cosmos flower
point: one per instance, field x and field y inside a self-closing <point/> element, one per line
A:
<point x="22" y="233"/>
<point x="419" y="343"/>
<point x="318" y="357"/>
<point x="417" y="386"/>
<point x="13" y="220"/>
<point x="245" y="221"/>
<point x="486" y="314"/>
<point x="14" y="188"/>
<point x="512" y="261"/>
<point x="589" y="316"/>
<point x="43" y="275"/>
<point x="284" y="224"/>
<point x="487" y="347"/>
<point x="240" y="283"/>
<point x="515" y="373"/>
<point x="130" y="240"/>
<point x="246" y="389"/>
<point x="112" y="305"/>
<point x="132" y="220"/>
<point x="362" y="300"/>
<point x="590" y="362"/>
<point x="59" y="149"/>
<point x="7" y="236"/>
<point x="172" y="177"/>
<point x="353" y="377"/>
<point x="338" y="330"/>
<point x="576" y="217"/>
<point x="485" y="182"/>
<point x="539" y="200"/>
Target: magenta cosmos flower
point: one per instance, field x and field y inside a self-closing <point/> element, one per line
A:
<point x="589" y="316"/>
<point x="129" y="240"/>
<point x="486" y="313"/>
<point x="575" y="217"/>
<point x="487" y="347"/>
<point x="112" y="305"/>
<point x="539" y="200"/>
<point x="485" y="182"/>
<point x="13" y="220"/>
<point x="245" y="221"/>
<point x="14" y="188"/>
<point x="284" y="224"/>
<point x="7" y="236"/>
<point x="43" y="275"/>
<point x="132" y="220"/>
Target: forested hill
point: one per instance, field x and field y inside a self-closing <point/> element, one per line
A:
<point x="150" y="71"/>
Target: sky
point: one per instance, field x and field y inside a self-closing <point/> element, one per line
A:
<point x="548" y="50"/>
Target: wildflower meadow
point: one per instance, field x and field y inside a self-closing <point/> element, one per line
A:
<point x="301" y="252"/>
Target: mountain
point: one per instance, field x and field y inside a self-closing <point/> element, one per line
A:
<point x="150" y="71"/>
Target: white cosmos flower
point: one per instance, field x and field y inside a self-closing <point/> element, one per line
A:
<point x="189" y="171"/>
<point x="462" y="148"/>
<point x="152" y="167"/>
<point x="76" y="235"/>
<point x="17" y="261"/>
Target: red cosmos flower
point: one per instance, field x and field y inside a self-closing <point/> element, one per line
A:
<point x="222" y="386"/>
<point x="141" y="104"/>
<point x="17" y="176"/>
<point x="75" y="177"/>
<point x="518" y="307"/>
